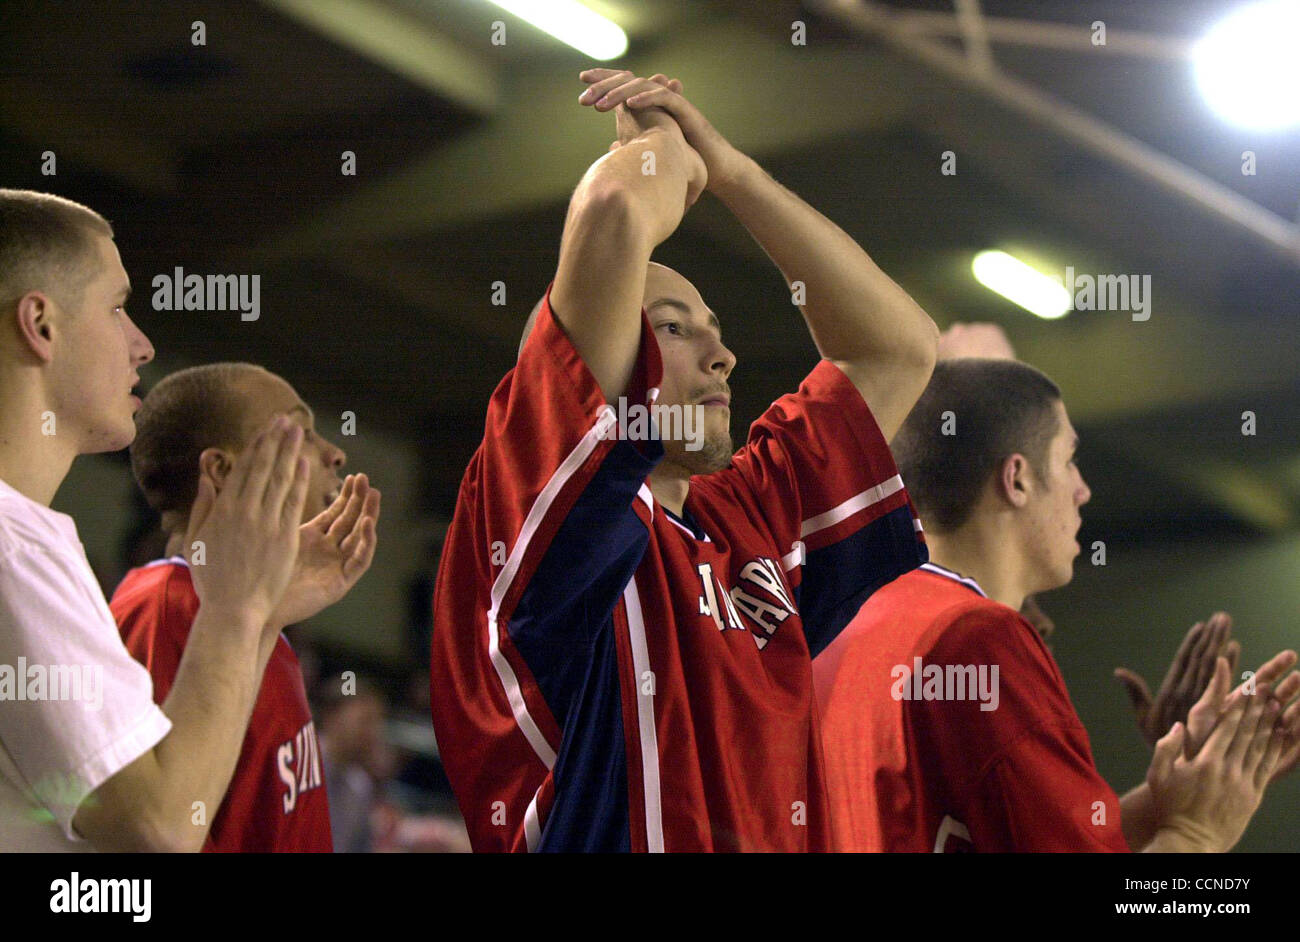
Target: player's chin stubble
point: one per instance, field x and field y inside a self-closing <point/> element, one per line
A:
<point x="714" y="454"/>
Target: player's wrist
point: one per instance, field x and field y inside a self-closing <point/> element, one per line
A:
<point x="244" y="620"/>
<point x="733" y="177"/>
<point x="1180" y="835"/>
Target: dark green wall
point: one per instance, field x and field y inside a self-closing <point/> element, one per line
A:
<point x="1134" y="611"/>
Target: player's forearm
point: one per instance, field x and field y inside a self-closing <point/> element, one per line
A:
<point x="649" y="174"/>
<point x="616" y="218"/>
<point x="209" y="705"/>
<point x="854" y="310"/>
<point x="1138" y="817"/>
<point x="150" y="804"/>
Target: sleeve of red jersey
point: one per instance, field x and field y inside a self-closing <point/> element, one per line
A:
<point x="819" y="471"/>
<point x="1045" y="795"/>
<point x="1016" y="756"/>
<point x="551" y="521"/>
<point x="560" y="481"/>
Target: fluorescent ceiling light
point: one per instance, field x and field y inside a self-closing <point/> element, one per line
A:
<point x="1010" y="277"/>
<point x="570" y="22"/>
<point x="1247" y="66"/>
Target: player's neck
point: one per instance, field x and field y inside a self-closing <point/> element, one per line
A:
<point x="175" y="543"/>
<point x="982" y="554"/>
<point x="35" y="453"/>
<point x="670" y="484"/>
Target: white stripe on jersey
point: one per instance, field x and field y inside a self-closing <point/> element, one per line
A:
<point x="536" y="514"/>
<point x="851" y="506"/>
<point x="647" y="498"/>
<point x="515" y="695"/>
<point x="533" y="824"/>
<point x="685" y="529"/>
<point x="542" y="505"/>
<point x="950" y="826"/>
<point x="645" y="713"/>
<point x="954" y="576"/>
<point x="177" y="560"/>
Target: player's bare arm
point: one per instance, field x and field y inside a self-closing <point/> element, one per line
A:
<point x="250" y="537"/>
<point x="859" y="318"/>
<point x="628" y="202"/>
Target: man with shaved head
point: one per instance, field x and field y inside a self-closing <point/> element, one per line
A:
<point x="626" y="609"/>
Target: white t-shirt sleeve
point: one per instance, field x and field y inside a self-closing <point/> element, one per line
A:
<point x="75" y="708"/>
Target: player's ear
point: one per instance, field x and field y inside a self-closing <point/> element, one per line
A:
<point x="215" y="465"/>
<point x="1012" y="481"/>
<point x="33" y="319"/>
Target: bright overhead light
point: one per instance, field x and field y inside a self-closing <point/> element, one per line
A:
<point x="1247" y="66"/>
<point x="570" y="22"/>
<point x="1010" y="277"/>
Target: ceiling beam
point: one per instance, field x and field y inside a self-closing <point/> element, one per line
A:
<point x="77" y="135"/>
<point x="533" y="153"/>
<point x="1042" y="34"/>
<point x="1072" y="124"/>
<point x="407" y="45"/>
<point x="1109" y="365"/>
<point x="1236" y="488"/>
<point x="975" y="35"/>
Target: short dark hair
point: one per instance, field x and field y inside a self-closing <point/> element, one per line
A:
<point x="188" y="411"/>
<point x="999" y="408"/>
<point x="46" y="244"/>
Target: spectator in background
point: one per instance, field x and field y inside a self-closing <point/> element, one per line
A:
<point x="357" y="761"/>
<point x="366" y="812"/>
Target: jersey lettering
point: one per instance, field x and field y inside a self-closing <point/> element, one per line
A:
<point x="764" y="615"/>
<point x="298" y="763"/>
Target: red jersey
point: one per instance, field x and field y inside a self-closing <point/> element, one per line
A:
<point x="609" y="676"/>
<point x="276" y="800"/>
<point x="947" y="727"/>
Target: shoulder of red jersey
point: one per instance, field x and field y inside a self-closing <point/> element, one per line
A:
<point x="170" y="573"/>
<point x="161" y="591"/>
<point x="952" y="615"/>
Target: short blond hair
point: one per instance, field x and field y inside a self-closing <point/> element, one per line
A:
<point x="46" y="244"/>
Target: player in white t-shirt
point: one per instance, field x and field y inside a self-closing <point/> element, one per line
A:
<point x="87" y="760"/>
